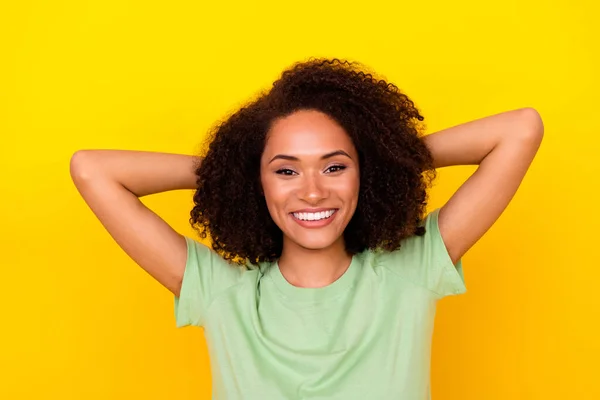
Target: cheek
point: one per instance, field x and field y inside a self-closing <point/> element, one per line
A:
<point x="353" y="198"/>
<point x="275" y="196"/>
<point x="348" y="189"/>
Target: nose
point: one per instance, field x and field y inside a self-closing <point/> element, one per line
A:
<point x="314" y="189"/>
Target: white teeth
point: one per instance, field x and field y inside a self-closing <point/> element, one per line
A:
<point x="305" y="216"/>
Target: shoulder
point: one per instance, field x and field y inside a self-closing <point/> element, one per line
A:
<point x="412" y="249"/>
<point x="207" y="276"/>
<point x="203" y="256"/>
<point x="210" y="268"/>
<point x="424" y="260"/>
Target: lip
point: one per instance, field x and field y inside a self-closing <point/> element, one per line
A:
<point x="314" y="224"/>
<point x="314" y="210"/>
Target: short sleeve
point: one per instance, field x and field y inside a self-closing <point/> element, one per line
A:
<point x="206" y="274"/>
<point x="425" y="261"/>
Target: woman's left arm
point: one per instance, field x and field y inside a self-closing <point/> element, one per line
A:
<point x="503" y="145"/>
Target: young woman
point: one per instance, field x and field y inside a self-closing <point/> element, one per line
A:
<point x="325" y="269"/>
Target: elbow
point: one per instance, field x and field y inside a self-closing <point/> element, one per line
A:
<point x="533" y="125"/>
<point x="80" y="165"/>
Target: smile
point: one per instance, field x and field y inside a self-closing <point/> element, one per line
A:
<point x="317" y="216"/>
<point x="313" y="220"/>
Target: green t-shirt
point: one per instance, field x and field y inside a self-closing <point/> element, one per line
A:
<point x="365" y="336"/>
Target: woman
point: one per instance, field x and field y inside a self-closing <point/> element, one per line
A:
<point x="324" y="274"/>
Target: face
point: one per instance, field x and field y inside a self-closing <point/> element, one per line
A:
<point x="310" y="179"/>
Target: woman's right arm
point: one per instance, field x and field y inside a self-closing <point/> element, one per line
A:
<point x="111" y="183"/>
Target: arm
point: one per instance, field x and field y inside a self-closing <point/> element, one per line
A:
<point x="111" y="182"/>
<point x="503" y="145"/>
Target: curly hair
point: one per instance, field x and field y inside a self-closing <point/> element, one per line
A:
<point x="396" y="167"/>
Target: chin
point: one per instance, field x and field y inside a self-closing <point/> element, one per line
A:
<point x="314" y="243"/>
<point x="314" y="246"/>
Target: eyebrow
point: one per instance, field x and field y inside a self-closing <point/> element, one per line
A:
<point x="324" y="157"/>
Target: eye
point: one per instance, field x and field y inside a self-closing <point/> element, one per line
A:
<point x="335" y="168"/>
<point x="285" y="171"/>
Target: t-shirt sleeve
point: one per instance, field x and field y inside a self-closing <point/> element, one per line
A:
<point x="425" y="261"/>
<point x="206" y="274"/>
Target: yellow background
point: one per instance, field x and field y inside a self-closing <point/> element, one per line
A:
<point x="81" y="321"/>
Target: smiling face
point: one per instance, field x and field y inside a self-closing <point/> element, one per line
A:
<point x="310" y="179"/>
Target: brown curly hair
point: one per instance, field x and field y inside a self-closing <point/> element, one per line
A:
<point x="396" y="167"/>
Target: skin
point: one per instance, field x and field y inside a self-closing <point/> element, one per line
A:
<point x="503" y="147"/>
<point x="310" y="163"/>
<point x="112" y="182"/>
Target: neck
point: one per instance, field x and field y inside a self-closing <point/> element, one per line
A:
<point x="308" y="268"/>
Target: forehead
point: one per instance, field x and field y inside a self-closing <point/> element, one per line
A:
<point x="309" y="132"/>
